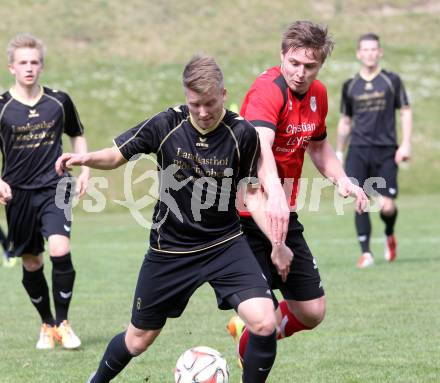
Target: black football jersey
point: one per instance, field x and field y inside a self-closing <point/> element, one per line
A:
<point x="372" y="106"/>
<point x="198" y="176"/>
<point x="30" y="137"/>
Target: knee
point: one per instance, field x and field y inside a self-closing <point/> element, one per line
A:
<point x="137" y="345"/>
<point x="32" y="263"/>
<point x="310" y="313"/>
<point x="58" y="250"/>
<point x="58" y="245"/>
<point x="388" y="210"/>
<point x="388" y="207"/>
<point x="263" y="326"/>
<point x="314" y="318"/>
<point x="138" y="341"/>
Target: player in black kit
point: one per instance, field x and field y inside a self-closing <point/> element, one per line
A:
<point x="204" y="153"/>
<point x="32" y="121"/>
<point x="368" y="107"/>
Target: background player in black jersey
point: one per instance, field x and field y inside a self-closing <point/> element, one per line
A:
<point x="203" y="153"/>
<point x="33" y="119"/>
<point x="368" y="107"/>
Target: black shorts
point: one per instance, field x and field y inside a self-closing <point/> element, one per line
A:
<point x="369" y="162"/>
<point x="303" y="282"/>
<point x="32" y="215"/>
<point x="167" y="281"/>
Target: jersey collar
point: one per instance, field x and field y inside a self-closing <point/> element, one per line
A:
<point x="30" y="103"/>
<point x="369" y="77"/>
<point x="206" y="131"/>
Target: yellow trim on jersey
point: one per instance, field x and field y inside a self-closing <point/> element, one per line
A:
<point x="197" y="250"/>
<point x="61" y="106"/>
<point x="5" y="164"/>
<point x="30" y="103"/>
<point x="388" y="81"/>
<point x="370" y="77"/>
<point x="206" y="131"/>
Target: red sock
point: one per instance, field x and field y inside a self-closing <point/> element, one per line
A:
<point x="289" y="326"/>
<point x="242" y="343"/>
<point x="289" y="323"/>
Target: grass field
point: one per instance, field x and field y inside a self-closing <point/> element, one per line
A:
<point x="121" y="62"/>
<point x="381" y="325"/>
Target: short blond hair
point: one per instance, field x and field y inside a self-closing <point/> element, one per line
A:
<point x="25" y="40"/>
<point x="202" y="74"/>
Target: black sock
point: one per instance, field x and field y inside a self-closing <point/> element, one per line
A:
<point x="114" y="360"/>
<point x="3" y="240"/>
<point x="35" y="285"/>
<point x="63" y="277"/>
<point x="363" y="229"/>
<point x="259" y="357"/>
<point x="389" y="221"/>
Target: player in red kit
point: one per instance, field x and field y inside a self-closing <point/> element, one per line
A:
<point x="288" y="107"/>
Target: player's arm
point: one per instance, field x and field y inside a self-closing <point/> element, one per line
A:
<point x="325" y="160"/>
<point x="256" y="203"/>
<point x="403" y="153"/>
<point x="105" y="159"/>
<point x="277" y="209"/>
<point x="79" y="146"/>
<point x="344" y="129"/>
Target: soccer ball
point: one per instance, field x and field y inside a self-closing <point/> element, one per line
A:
<point x="201" y="365"/>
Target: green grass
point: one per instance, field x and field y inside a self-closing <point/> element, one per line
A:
<point x="381" y="324"/>
<point x="121" y="62"/>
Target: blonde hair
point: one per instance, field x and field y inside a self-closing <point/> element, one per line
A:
<point x="202" y="74"/>
<point x="25" y="40"/>
<point x="305" y="34"/>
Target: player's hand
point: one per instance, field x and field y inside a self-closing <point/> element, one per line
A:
<point x="82" y="182"/>
<point x="277" y="216"/>
<point x="403" y="154"/>
<point x="346" y="188"/>
<point x="282" y="258"/>
<point x="5" y="192"/>
<point x="66" y="161"/>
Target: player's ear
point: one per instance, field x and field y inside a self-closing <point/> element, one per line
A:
<point x="11" y="69"/>
<point x="225" y="94"/>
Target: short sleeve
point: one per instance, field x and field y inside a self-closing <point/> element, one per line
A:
<point x="249" y="154"/>
<point x="143" y="138"/>
<point x="401" y="98"/>
<point x="72" y="124"/>
<point x="263" y="104"/>
<point x="346" y="107"/>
